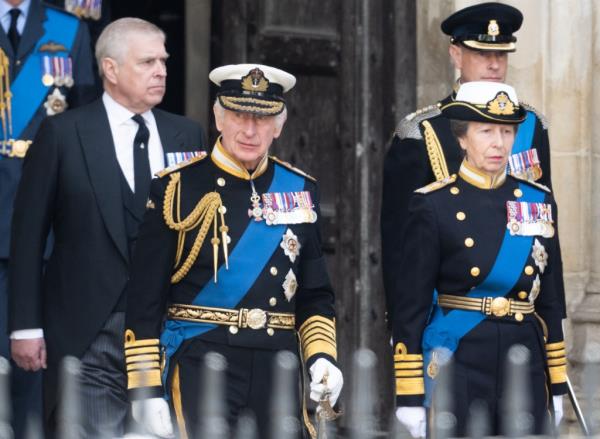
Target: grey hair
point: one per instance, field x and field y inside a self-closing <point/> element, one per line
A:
<point x="279" y="118"/>
<point x="113" y="43"/>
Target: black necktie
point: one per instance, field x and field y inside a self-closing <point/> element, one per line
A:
<point x="13" y="33"/>
<point x="141" y="162"/>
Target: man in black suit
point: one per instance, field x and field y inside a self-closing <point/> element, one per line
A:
<point x="87" y="177"/>
<point x="49" y="67"/>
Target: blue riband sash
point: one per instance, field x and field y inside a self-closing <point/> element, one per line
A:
<point x="246" y="262"/>
<point x="28" y="90"/>
<point x="445" y="331"/>
<point x="524" y="138"/>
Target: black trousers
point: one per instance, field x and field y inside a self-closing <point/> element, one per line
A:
<point x="249" y="380"/>
<point x="480" y="373"/>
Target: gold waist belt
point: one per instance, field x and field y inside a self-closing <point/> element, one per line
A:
<point x="496" y="306"/>
<point x="14" y="148"/>
<point x="242" y="318"/>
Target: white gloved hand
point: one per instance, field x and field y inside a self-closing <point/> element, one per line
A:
<point x="413" y="418"/>
<point x="335" y="380"/>
<point x="557" y="402"/>
<point x="153" y="414"/>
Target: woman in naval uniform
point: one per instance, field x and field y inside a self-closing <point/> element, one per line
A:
<point x="476" y="277"/>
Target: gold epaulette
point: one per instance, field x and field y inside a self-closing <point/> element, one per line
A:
<point x="317" y="336"/>
<point x="543" y="119"/>
<point x="142" y="358"/>
<point x="292" y="168"/>
<point x="434" y="186"/>
<point x="532" y="183"/>
<point x="181" y="165"/>
<point x="408" y="371"/>
<point x="557" y="362"/>
<point x="409" y="126"/>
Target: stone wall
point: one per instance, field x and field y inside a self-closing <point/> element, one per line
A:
<point x="557" y="70"/>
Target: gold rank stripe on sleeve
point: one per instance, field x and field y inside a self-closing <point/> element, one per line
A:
<point x="557" y="362"/>
<point x="142" y="358"/>
<point x="317" y="336"/>
<point x="408" y="370"/>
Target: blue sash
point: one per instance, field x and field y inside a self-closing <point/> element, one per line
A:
<point x="524" y="138"/>
<point x="27" y="89"/>
<point x="445" y="331"/>
<point x="247" y="261"/>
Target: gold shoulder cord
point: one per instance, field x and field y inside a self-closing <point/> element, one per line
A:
<point x="435" y="152"/>
<point x="5" y="98"/>
<point x="203" y="214"/>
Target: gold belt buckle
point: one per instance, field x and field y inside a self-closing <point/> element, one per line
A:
<point x="500" y="306"/>
<point x="256" y="318"/>
<point x="19" y="148"/>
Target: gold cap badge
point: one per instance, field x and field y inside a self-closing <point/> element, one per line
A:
<point x="501" y="105"/>
<point x="493" y="28"/>
<point x="255" y="81"/>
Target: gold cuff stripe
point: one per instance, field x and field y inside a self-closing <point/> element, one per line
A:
<point x="558" y="374"/>
<point x="307" y="346"/>
<point x="317" y="319"/>
<point x="556" y="354"/>
<point x="555" y="346"/>
<point x="139" y="351"/>
<point x="317" y="327"/>
<point x="557" y="361"/>
<point x="131" y="342"/>
<point x="319" y="347"/>
<point x="142" y="358"/>
<point x="409" y="365"/>
<point x="409" y="373"/>
<point x="408" y="357"/>
<point x="314" y="337"/>
<point x="410" y="386"/>
<point x="140" y="366"/>
<point x="143" y="378"/>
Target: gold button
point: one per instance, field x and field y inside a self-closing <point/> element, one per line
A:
<point x="18" y="62"/>
<point x="519" y="317"/>
<point x="518" y="193"/>
<point x="270" y="331"/>
<point x="454" y="190"/>
<point x="523" y="295"/>
<point x="221" y="181"/>
<point x="272" y="301"/>
<point x="274" y="271"/>
<point x="460" y="216"/>
<point x="529" y="270"/>
<point x="233" y="329"/>
<point x="469" y="242"/>
<point x="222" y="209"/>
<point x="475" y="271"/>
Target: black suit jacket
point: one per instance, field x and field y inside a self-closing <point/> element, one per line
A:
<point x="82" y="92"/>
<point x="71" y="183"/>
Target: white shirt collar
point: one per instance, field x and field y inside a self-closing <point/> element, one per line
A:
<point x="5" y="7"/>
<point x="118" y="114"/>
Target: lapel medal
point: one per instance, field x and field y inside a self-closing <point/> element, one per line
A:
<point x="290" y="285"/>
<point x="289" y="208"/>
<point x="525" y="165"/>
<point x="540" y="255"/>
<point x="535" y="289"/>
<point x="290" y="245"/>
<point x="56" y="103"/>
<point x="529" y="219"/>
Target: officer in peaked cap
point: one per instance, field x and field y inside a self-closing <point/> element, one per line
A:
<point x="230" y="255"/>
<point x="486" y="242"/>
<point x="423" y="148"/>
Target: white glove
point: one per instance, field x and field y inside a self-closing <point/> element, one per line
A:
<point x="413" y="418"/>
<point x="153" y="414"/>
<point x="557" y="402"/>
<point x="335" y="380"/>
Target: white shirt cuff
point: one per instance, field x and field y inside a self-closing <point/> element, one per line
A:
<point x="27" y="334"/>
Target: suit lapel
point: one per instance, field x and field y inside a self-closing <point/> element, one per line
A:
<point x="171" y="137"/>
<point x="33" y="30"/>
<point x="103" y="167"/>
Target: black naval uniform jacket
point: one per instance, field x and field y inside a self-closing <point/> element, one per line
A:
<point x="82" y="92"/>
<point x="452" y="237"/>
<point x="410" y="163"/>
<point x="150" y="289"/>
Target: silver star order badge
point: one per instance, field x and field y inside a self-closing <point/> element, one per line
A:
<point x="535" y="289"/>
<point x="290" y="245"/>
<point x="290" y="285"/>
<point x="56" y="103"/>
<point x="540" y="255"/>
